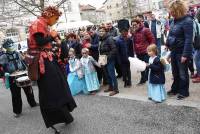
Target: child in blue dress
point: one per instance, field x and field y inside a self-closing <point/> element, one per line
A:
<point x="156" y="89"/>
<point x="91" y="79"/>
<point x="76" y="78"/>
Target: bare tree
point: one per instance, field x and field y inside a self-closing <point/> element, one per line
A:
<point x="14" y="10"/>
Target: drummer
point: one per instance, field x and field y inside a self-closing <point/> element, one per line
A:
<point x="12" y="63"/>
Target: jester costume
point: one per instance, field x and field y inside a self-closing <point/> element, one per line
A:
<point x="56" y="101"/>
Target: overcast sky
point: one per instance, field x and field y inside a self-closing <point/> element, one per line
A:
<point x="96" y="3"/>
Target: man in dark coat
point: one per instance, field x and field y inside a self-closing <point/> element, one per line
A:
<point x="124" y="44"/>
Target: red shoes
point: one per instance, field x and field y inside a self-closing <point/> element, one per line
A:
<point x="196" y="80"/>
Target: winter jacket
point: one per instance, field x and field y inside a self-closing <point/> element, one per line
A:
<point x="180" y="36"/>
<point x="142" y="39"/>
<point x="113" y="32"/>
<point x="157" y="75"/>
<point x="125" y="49"/>
<point x="107" y="47"/>
<point x="159" y="28"/>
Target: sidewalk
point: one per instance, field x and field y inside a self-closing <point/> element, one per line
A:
<point x="140" y="92"/>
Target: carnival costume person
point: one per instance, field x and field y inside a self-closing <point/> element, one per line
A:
<point x="12" y="63"/>
<point x="56" y="101"/>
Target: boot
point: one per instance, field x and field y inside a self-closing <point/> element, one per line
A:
<point x="109" y="89"/>
<point x="114" y="93"/>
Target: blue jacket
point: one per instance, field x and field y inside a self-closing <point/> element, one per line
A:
<point x="125" y="49"/>
<point x="95" y="42"/>
<point x="94" y="49"/>
<point x="180" y="36"/>
<point x="157" y="75"/>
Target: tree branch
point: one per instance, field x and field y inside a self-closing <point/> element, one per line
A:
<point x="60" y="3"/>
<point x="25" y="7"/>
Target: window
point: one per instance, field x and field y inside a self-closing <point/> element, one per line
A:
<point x="161" y="4"/>
<point x="12" y="32"/>
<point x="117" y="5"/>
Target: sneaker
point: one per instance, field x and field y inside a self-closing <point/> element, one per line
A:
<point x="113" y="93"/>
<point x="196" y="80"/>
<point x="17" y="115"/>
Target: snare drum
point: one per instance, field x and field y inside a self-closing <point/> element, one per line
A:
<point x="23" y="81"/>
<point x="18" y="74"/>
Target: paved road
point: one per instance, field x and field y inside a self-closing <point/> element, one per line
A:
<point x="104" y="115"/>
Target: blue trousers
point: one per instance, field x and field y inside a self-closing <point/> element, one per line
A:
<point x="158" y="44"/>
<point x="197" y="60"/>
<point x="180" y="74"/>
<point x="112" y="80"/>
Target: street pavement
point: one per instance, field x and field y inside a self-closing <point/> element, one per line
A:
<point x="104" y="115"/>
<point x="129" y="112"/>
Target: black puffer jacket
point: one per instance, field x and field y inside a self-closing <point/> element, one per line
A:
<point x="180" y="36"/>
<point x="108" y="47"/>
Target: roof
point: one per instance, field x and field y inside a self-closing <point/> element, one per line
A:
<point x="86" y="7"/>
<point x="100" y="10"/>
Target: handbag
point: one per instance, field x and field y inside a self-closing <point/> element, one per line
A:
<point x="102" y="60"/>
<point x="32" y="60"/>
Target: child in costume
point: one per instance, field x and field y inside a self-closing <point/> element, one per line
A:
<point x="156" y="89"/>
<point x="90" y="74"/>
<point x="76" y="78"/>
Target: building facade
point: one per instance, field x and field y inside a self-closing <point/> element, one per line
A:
<point x="18" y="29"/>
<point x="90" y="13"/>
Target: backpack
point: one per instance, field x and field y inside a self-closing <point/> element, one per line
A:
<point x="196" y="43"/>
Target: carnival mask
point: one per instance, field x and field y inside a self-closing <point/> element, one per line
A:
<point x="9" y="45"/>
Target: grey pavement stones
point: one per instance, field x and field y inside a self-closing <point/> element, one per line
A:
<point x="129" y="112"/>
<point x="104" y="115"/>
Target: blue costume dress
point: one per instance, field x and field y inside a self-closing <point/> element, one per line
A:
<point x="156" y="92"/>
<point x="90" y="73"/>
<point x="75" y="77"/>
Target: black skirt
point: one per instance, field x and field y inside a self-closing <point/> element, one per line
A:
<point x="56" y="101"/>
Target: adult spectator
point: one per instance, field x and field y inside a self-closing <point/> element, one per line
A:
<point x="157" y="29"/>
<point x="124" y="44"/>
<point x="112" y="31"/>
<point x="75" y="44"/>
<point x="94" y="51"/>
<point x="179" y="41"/>
<point x="142" y="39"/>
<point x="141" y="17"/>
<point x="108" y="48"/>
<point x="197" y="50"/>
